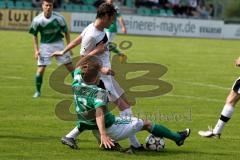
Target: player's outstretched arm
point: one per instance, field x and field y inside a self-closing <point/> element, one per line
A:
<point x="105" y="139"/>
<point x="122" y="24"/>
<point x="98" y="50"/>
<point x="36" y="48"/>
<point x="67" y="37"/>
<point x="70" y="46"/>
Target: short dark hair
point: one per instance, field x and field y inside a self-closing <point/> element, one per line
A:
<point x="90" y="67"/>
<point x="49" y="1"/>
<point x="106" y="9"/>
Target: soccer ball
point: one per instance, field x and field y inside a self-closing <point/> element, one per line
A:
<point x="154" y="143"/>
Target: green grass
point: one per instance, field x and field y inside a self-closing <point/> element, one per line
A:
<point x="200" y="70"/>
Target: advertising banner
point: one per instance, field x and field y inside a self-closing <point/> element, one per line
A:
<point x="158" y="26"/>
<point x="21" y="19"/>
<point x="231" y="31"/>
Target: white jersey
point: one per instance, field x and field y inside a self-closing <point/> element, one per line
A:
<point x="91" y="37"/>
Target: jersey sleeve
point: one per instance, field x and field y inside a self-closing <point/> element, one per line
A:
<point x="34" y="28"/>
<point x="101" y="99"/>
<point x="63" y="23"/>
<point x="88" y="45"/>
<point x="118" y="12"/>
<point x="77" y="73"/>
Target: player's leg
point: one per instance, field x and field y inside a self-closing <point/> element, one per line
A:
<point x="118" y="97"/>
<point x="162" y="131"/>
<point x="125" y="110"/>
<point x="43" y="61"/>
<point x="39" y="80"/>
<point x="226" y="113"/>
<point x="65" y="59"/>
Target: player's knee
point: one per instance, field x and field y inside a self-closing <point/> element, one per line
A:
<point x="232" y="99"/>
<point x="41" y="71"/>
<point x="121" y="103"/>
<point x="147" y="125"/>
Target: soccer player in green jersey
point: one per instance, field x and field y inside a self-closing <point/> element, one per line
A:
<point x="92" y="112"/>
<point x="51" y="25"/>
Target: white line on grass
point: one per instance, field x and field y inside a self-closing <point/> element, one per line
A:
<point x="11" y="77"/>
<point x="195" y="97"/>
<point x="203" y="85"/>
<point x="192" y="83"/>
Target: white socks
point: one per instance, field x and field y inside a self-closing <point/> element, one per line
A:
<point x="225" y="116"/>
<point x="73" y="134"/>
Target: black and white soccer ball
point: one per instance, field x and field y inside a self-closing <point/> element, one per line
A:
<point x="154" y="143"/>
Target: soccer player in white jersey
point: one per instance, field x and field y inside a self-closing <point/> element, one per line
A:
<point x="95" y="42"/>
<point x="51" y="25"/>
<point x="227" y="112"/>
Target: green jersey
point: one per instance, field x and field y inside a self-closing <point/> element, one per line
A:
<point x="50" y="28"/>
<point x="113" y="27"/>
<point x="87" y="98"/>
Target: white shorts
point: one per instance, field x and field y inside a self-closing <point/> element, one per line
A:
<point x="123" y="128"/>
<point x="47" y="49"/>
<point x="110" y="36"/>
<point x="112" y="86"/>
<point x="236" y="86"/>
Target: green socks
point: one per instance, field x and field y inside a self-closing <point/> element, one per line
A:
<point x="38" y="82"/>
<point x="161" y="131"/>
<point x="113" y="47"/>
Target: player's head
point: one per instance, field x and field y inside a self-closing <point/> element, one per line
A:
<point x="106" y="12"/>
<point x="90" y="67"/>
<point x="109" y="1"/>
<point x="47" y="6"/>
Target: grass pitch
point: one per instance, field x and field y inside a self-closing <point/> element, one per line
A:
<point x="201" y="72"/>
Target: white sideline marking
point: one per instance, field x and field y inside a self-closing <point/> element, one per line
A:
<point x="11" y="77"/>
<point x="194" y="97"/>
<point x="203" y="85"/>
<point x="193" y="83"/>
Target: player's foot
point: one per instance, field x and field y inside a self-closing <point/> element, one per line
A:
<point x="69" y="142"/>
<point x="127" y="151"/>
<point x="184" y="134"/>
<point x="36" y="95"/>
<point x="209" y="133"/>
<point x="116" y="147"/>
<point x="140" y="148"/>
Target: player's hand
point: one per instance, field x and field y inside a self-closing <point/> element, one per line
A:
<point x="122" y="58"/>
<point x="237" y="62"/>
<point x="36" y="55"/>
<point x="106" y="141"/>
<point x="107" y="71"/>
<point x="124" y="31"/>
<point x="57" y="53"/>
